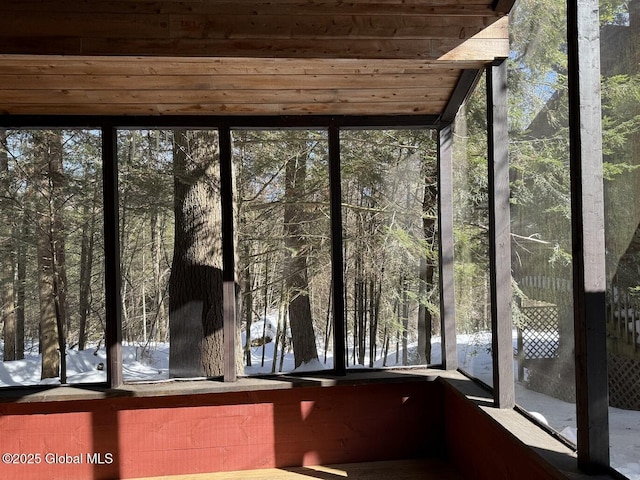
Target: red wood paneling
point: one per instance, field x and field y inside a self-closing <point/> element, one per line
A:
<point x="138" y="437"/>
<point x="480" y="448"/>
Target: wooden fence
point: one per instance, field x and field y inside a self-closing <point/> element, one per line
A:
<point x="623" y="322"/>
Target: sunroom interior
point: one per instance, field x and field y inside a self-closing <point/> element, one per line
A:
<point x="309" y="211"/>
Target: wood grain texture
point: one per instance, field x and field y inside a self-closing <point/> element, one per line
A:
<point x="423" y="469"/>
<point x="262" y="57"/>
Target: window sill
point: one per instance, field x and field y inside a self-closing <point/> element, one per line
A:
<point x="177" y="387"/>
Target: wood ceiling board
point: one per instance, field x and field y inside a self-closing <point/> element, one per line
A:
<point x="286" y="29"/>
<point x="228" y="83"/>
<point x="242" y="57"/>
<point x="330" y="96"/>
<point x="181" y="66"/>
<point x="364" y="109"/>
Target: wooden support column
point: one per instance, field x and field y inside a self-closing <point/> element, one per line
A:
<point x="587" y="221"/>
<point x="500" y="236"/>
<point x="339" y="359"/>
<point x="228" y="255"/>
<point x="113" y="302"/>
<point x="445" y="247"/>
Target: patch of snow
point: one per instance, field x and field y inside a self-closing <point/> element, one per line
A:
<point x="266" y="327"/>
<point x="570" y="434"/>
<point x="311" y="366"/>
<point x="539" y="417"/>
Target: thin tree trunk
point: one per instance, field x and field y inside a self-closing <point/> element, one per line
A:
<point x="328" y="323"/>
<point x="20" y="290"/>
<point x="158" y="287"/>
<point x="356" y="299"/>
<point x="374" y="300"/>
<point x="248" y="306"/>
<point x="7" y="263"/>
<point x="59" y="253"/>
<point x="265" y="308"/>
<point x="279" y="331"/>
<point x="143" y="294"/>
<point x="86" y="267"/>
<point x="405" y="322"/>
<point x="284" y="339"/>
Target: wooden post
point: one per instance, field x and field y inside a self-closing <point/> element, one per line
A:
<point x="587" y="228"/>
<point x="228" y="255"/>
<point x="339" y="339"/>
<point x="113" y="303"/>
<point x="500" y="236"/>
<point x="445" y="247"/>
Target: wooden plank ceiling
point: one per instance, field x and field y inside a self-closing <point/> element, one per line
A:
<point x="242" y="57"/>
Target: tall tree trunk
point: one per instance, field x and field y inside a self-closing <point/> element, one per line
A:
<point x="362" y="328"/>
<point x="158" y="288"/>
<point x="51" y="254"/>
<point x="405" y="321"/>
<point x="427" y="268"/>
<point x="21" y="282"/>
<point x="295" y="263"/>
<point x="248" y="306"/>
<point x="328" y="323"/>
<point x="86" y="264"/>
<point x="374" y="300"/>
<point x="195" y="286"/>
<point x="7" y="263"/>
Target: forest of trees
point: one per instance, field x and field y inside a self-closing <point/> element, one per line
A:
<point x="52" y="292"/>
<point x="51" y="246"/>
<point x="171" y="250"/>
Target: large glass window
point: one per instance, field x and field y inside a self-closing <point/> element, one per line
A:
<point x="540" y="214"/>
<point x="620" y="56"/>
<point x="471" y="237"/>
<point x="389" y="215"/>
<point x="51" y="257"/>
<point x="171" y="253"/>
<point x="284" y="249"/>
<point x="170" y="240"/>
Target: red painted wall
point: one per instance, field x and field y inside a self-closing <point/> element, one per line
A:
<point x="138" y="437"/>
<point x="481" y="449"/>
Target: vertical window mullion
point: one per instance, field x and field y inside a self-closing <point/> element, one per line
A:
<point x="500" y="236"/>
<point x="113" y="304"/>
<point x="339" y="348"/>
<point x="445" y="247"/>
<point x="229" y="299"/>
<point x="587" y="225"/>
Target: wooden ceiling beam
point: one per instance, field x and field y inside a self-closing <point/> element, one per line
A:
<point x="314" y="108"/>
<point x="158" y="8"/>
<point x="225" y="83"/>
<point x="284" y="29"/>
<point x="190" y="66"/>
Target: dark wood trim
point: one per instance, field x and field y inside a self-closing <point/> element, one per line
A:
<point x="587" y="228"/>
<point x="229" y="299"/>
<point x="339" y="340"/>
<point x="503" y="6"/>
<point x="500" y="236"/>
<point x="445" y="249"/>
<point x="464" y="87"/>
<point x="113" y="303"/>
<point x="211" y="121"/>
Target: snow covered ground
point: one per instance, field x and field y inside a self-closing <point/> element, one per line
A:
<point x="152" y="364"/>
